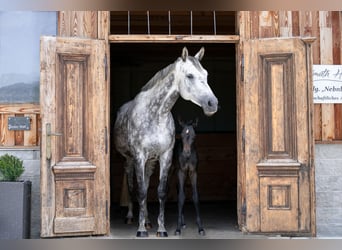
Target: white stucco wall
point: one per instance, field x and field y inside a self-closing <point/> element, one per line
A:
<point x="328" y="164"/>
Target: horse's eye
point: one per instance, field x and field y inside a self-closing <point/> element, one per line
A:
<point x="190" y="76"/>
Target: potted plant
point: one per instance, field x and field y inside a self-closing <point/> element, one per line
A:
<point x="15" y="199"/>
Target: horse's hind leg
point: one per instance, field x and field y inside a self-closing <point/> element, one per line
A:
<point x="139" y="164"/>
<point x="181" y="199"/>
<point x="128" y="178"/>
<point x="125" y="200"/>
<point x="193" y="179"/>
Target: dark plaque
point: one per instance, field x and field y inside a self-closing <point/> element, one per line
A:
<point x="19" y="123"/>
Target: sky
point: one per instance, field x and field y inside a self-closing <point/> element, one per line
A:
<point x="20" y="33"/>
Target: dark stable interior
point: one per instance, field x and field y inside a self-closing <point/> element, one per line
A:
<point x="132" y="65"/>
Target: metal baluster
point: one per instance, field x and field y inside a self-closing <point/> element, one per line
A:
<point x="128" y="23"/>
<point x="148" y="22"/>
<point x="169" y="16"/>
<point x="191" y="22"/>
<point x="214" y="13"/>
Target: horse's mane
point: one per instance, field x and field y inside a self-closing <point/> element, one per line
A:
<point x="159" y="75"/>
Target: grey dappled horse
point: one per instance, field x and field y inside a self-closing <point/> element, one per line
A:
<point x="187" y="166"/>
<point x="145" y="131"/>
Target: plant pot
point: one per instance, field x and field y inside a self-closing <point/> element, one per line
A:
<point x="15" y="209"/>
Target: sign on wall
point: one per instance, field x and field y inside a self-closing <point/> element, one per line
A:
<point x="327" y="83"/>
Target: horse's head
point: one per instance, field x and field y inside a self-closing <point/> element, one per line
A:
<point x="193" y="84"/>
<point x="187" y="135"/>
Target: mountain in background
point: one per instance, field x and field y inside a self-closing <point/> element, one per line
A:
<point x="20" y="93"/>
<point x="13" y="78"/>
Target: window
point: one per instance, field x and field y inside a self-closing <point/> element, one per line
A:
<point x="20" y="33"/>
<point x="173" y="22"/>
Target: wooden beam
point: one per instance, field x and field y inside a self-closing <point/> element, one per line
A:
<point x="25" y="108"/>
<point x="103" y="23"/>
<point x="326" y="49"/>
<point x="173" y="38"/>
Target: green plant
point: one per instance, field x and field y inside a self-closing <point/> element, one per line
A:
<point x="11" y="167"/>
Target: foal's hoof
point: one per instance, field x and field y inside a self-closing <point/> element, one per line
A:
<point x="162" y="234"/>
<point x="201" y="231"/>
<point x="148" y="225"/>
<point x="178" y="232"/>
<point x="129" y="221"/>
<point x="142" y="234"/>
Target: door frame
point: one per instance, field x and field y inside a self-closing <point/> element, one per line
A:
<point x="244" y="31"/>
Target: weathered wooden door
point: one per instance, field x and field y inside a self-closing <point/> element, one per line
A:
<point x="74" y="145"/>
<point x="276" y="191"/>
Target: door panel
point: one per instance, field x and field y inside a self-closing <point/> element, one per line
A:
<point x="74" y="150"/>
<point x="278" y="146"/>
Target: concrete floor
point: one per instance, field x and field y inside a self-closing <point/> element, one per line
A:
<point x="219" y="221"/>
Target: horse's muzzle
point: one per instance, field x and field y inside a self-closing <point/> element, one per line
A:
<point x="211" y="106"/>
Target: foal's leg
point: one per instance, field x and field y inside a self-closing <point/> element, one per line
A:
<point x="193" y="179"/>
<point x="165" y="164"/>
<point x="181" y="198"/>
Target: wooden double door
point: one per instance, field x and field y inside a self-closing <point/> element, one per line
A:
<point x="275" y="142"/>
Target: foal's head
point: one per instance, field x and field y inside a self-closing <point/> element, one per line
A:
<point x="188" y="135"/>
<point x="193" y="85"/>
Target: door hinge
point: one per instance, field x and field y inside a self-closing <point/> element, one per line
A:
<point x="243" y="138"/>
<point x="242" y="68"/>
<point x="243" y="208"/>
<point x="106" y="66"/>
<point x="243" y="216"/>
<point x="106" y="140"/>
<point x="107" y="214"/>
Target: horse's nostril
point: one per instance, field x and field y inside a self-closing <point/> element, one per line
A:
<point x="209" y="103"/>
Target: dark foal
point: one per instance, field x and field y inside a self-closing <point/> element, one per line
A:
<point x="187" y="159"/>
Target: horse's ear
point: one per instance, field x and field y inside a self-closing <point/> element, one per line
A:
<point x="200" y="54"/>
<point x="184" y="54"/>
<point x="195" y="123"/>
<point x="180" y="121"/>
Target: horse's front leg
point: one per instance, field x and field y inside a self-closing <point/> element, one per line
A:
<point x="150" y="165"/>
<point x="181" y="198"/>
<point x="193" y="179"/>
<point x="165" y="164"/>
<point x="141" y="196"/>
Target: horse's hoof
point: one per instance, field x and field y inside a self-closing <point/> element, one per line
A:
<point x="142" y="234"/>
<point x="201" y="231"/>
<point x="183" y="225"/>
<point x="178" y="232"/>
<point x="148" y="225"/>
<point x="162" y="234"/>
<point x="129" y="221"/>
